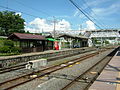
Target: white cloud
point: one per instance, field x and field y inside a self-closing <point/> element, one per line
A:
<point x="18" y="13"/>
<point x="25" y="23"/>
<point x="38" y="25"/>
<point x="63" y="25"/>
<point x="96" y="6"/>
<point x="99" y="10"/>
<point x="107" y="11"/>
<point x="95" y="3"/>
<point x="89" y="4"/>
<point x="90" y="25"/>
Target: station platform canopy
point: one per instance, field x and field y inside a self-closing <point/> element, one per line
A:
<point x="52" y="39"/>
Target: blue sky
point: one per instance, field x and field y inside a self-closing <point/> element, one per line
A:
<point x="106" y="12"/>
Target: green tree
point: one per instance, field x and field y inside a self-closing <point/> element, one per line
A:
<point x="11" y="22"/>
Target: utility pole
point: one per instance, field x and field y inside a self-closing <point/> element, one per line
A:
<point x="80" y="26"/>
<point x="80" y="29"/>
<point x="54" y="23"/>
<point x="42" y="32"/>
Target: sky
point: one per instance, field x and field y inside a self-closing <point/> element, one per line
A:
<point x="39" y="15"/>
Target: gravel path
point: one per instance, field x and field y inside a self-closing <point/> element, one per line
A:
<point x="16" y="73"/>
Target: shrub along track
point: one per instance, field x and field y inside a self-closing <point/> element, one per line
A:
<point x="14" y="82"/>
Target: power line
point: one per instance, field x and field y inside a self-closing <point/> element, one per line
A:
<point x="7" y="8"/>
<point x="92" y="17"/>
<point x="45" y="13"/>
<point x="32" y="8"/>
<point x="101" y="23"/>
<point x="54" y="21"/>
<point x="19" y="11"/>
<point x="84" y="13"/>
<point x="22" y="12"/>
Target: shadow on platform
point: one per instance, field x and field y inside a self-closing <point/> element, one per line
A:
<point x="110" y="82"/>
<point x="115" y="68"/>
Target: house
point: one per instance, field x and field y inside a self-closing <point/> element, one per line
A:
<point x="28" y="42"/>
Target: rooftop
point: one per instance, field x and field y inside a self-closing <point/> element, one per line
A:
<point x="73" y="36"/>
<point x="27" y="36"/>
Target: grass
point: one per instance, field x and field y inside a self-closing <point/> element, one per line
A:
<point x="8" y="54"/>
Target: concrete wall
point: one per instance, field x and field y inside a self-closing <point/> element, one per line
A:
<point x="4" y="62"/>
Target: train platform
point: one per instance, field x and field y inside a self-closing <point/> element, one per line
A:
<point x="109" y="79"/>
<point x="38" y="53"/>
<point x="33" y="53"/>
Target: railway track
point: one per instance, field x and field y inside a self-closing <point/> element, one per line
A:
<point x="14" y="82"/>
<point x="21" y="66"/>
<point x="8" y="69"/>
<point x="86" y="79"/>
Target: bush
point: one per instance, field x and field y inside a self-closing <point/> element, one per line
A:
<point x="8" y="43"/>
<point x="5" y="49"/>
<point x="1" y="43"/>
<point x="8" y="48"/>
<point x="16" y="50"/>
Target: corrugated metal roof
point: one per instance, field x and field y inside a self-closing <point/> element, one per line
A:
<point x="73" y="36"/>
<point x="27" y="36"/>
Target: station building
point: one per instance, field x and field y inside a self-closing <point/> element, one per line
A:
<point x="72" y="41"/>
<point x="28" y="42"/>
<point x="36" y="43"/>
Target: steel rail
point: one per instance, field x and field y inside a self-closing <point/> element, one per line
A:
<point x="26" y="78"/>
<point x="107" y="60"/>
<point x="8" y="69"/>
<point x="90" y="69"/>
<point x="16" y="67"/>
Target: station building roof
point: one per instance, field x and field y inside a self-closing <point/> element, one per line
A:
<point x="73" y="36"/>
<point x="24" y="36"/>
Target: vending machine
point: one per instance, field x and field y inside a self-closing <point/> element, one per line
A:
<point x="56" y="45"/>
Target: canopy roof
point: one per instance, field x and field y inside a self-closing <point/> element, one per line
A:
<point x="51" y="39"/>
<point x="26" y="36"/>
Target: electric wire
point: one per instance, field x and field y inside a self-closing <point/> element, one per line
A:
<point x="32" y="8"/>
<point x="24" y="13"/>
<point x="86" y="15"/>
<point x="100" y="22"/>
<point x="19" y="11"/>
